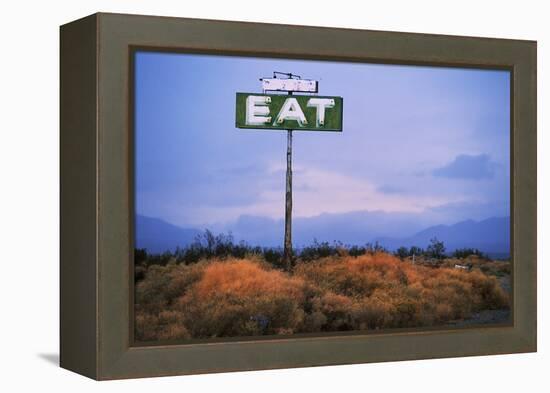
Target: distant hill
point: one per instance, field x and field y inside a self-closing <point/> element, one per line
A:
<point x="158" y="236"/>
<point x="491" y="236"/>
<point x="357" y="227"/>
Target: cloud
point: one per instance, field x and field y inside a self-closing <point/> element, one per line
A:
<point x="315" y="191"/>
<point x="474" y="209"/>
<point x="318" y="190"/>
<point x="390" y="189"/>
<point x="469" y="167"/>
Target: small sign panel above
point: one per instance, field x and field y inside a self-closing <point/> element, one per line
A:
<point x="289" y="112"/>
<point x="298" y="85"/>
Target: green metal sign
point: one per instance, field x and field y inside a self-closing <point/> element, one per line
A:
<point x="289" y="112"/>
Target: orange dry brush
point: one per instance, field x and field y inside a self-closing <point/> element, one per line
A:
<point x="247" y="297"/>
<point x="236" y="298"/>
<point x="245" y="279"/>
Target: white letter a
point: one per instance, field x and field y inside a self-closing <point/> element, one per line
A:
<point x="291" y="111"/>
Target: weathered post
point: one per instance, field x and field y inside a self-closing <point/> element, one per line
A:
<point x="288" y="204"/>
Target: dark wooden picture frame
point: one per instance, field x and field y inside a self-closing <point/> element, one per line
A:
<point x="97" y="194"/>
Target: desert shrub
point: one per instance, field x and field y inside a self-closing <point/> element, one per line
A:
<point x="494" y="268"/>
<point x="149" y="292"/>
<point x="436" y="249"/>
<point x="273" y="256"/>
<point x="167" y="325"/>
<point x="315" y="322"/>
<point x="414" y="250"/>
<point x="240" y="298"/>
<point x="207" y="245"/>
<point x="374" y="312"/>
<point x="492" y="296"/>
<point x="476" y="262"/>
<point x="402" y="252"/>
<point x="355" y="251"/>
<point x="224" y="297"/>
<point x="319" y="250"/>
<point x="384" y="292"/>
<point x="352" y="276"/>
<point x="140" y="256"/>
<point x="139" y="272"/>
<point x="154" y="295"/>
<point x="163" y="284"/>
<point x="466" y="252"/>
<point x="336" y="309"/>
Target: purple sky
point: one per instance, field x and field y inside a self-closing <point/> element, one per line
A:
<point x="423" y="142"/>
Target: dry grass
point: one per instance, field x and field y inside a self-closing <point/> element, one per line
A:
<point x="246" y="297"/>
<point x="487" y="266"/>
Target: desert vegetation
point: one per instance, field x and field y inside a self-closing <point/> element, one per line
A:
<point x="215" y="288"/>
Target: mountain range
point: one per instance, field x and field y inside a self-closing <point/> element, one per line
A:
<point x="157" y="235"/>
<point x="491" y="235"/>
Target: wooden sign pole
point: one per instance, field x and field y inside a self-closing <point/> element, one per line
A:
<point x="288" y="203"/>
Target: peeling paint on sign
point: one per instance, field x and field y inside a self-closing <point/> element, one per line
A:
<point x="294" y="85"/>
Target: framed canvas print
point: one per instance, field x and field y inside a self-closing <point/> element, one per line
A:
<point x="240" y="196"/>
